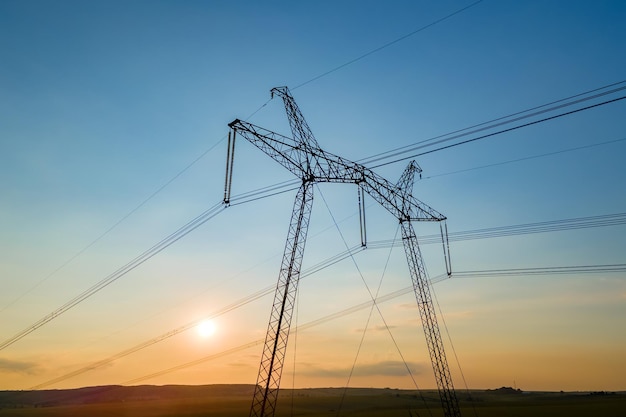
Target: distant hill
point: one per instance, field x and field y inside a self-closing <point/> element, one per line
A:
<point x="242" y="393"/>
<point x="117" y="393"/>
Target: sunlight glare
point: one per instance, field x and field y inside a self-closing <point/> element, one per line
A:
<point x="206" y="328"/>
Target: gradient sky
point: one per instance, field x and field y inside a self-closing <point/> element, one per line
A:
<point x="103" y="103"/>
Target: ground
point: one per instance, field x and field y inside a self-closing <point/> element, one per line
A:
<point x="226" y="401"/>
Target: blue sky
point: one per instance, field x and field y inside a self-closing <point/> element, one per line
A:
<point x="103" y="103"/>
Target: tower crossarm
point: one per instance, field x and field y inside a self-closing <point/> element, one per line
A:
<point x="311" y="163"/>
<point x="401" y="205"/>
<point x="278" y="147"/>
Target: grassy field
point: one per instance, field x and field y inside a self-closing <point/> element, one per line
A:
<point x="357" y="402"/>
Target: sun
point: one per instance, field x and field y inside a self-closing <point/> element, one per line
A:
<point x="206" y="328"/>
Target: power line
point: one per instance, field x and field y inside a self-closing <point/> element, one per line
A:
<point x="580" y="97"/>
<point x="488" y="135"/>
<point x="122" y="219"/>
<point x="146" y="255"/>
<point x="374" y="306"/>
<point x="112" y="227"/>
<point x="174" y="237"/>
<point x="526" y="158"/>
<point x="528" y="271"/>
<point x="154" y="250"/>
<point x="373" y="51"/>
<point x="258" y="194"/>
<point x="456" y="357"/>
<point x="255" y="195"/>
<point x="190" y="325"/>
<point x="204" y="153"/>
<point x="587" y="269"/>
<point x="367" y="322"/>
<point x="521" y="229"/>
<point x="500" y="121"/>
<point x="548" y="270"/>
<point x="292" y="184"/>
<point x="190" y="226"/>
<point x="492" y="232"/>
<point x="370" y="159"/>
<point x="313" y="323"/>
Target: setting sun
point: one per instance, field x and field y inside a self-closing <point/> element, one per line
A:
<point x="206" y="328"/>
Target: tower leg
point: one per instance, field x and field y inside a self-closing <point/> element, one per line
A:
<point x="434" y="342"/>
<point x="270" y="370"/>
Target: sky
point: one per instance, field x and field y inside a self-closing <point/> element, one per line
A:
<point x="113" y="119"/>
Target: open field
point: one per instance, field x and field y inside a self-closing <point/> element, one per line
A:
<point x="173" y="401"/>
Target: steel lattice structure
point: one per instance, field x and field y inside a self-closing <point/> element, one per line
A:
<point x="303" y="156"/>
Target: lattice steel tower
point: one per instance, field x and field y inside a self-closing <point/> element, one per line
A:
<point x="303" y="156"/>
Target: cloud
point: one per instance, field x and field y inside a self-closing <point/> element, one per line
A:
<point x="10" y="366"/>
<point x="459" y="315"/>
<point x="242" y="364"/>
<point x="383" y="368"/>
<point x="380" y="328"/>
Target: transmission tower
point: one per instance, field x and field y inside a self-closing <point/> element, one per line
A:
<point x="302" y="155"/>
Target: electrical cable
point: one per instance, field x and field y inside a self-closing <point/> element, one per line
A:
<point x="456" y="357"/>
<point x="373" y="51"/>
<point x="190" y="325"/>
<point x="500" y="121"/>
<point x="367" y="322"/>
<point x="588" y="269"/>
<point x="576" y="223"/>
<point x="151" y="196"/>
<point x="313" y="323"/>
<point x="188" y="166"/>
<point x="157" y="248"/>
<point x="81" y="297"/>
<point x="123" y="218"/>
<point x="154" y="250"/>
<point x="568" y="113"/>
<point x="558" y="270"/>
<point x="372" y="296"/>
<point x="370" y="159"/>
<point x="112" y="227"/>
<point x="255" y="196"/>
<point x="369" y="317"/>
<point x="146" y="255"/>
<point x="114" y="276"/>
<point x="546" y="226"/>
<point x="526" y="158"/>
<point x="585" y="269"/>
<point x="467" y="130"/>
